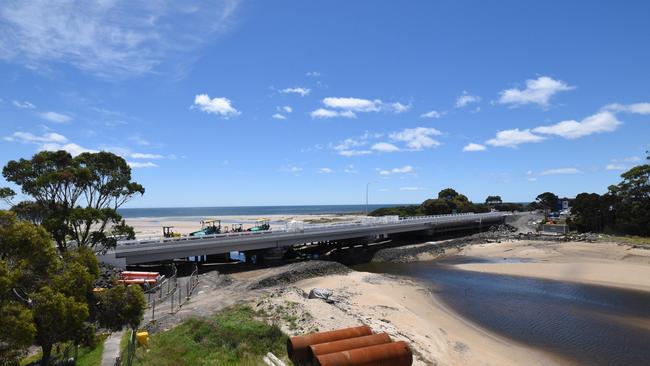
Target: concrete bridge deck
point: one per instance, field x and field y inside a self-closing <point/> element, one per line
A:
<point x="152" y="250"/>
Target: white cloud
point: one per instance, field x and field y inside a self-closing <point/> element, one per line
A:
<point x="514" y="137"/>
<point x="49" y="142"/>
<point x="474" y="147"/>
<point x="72" y="148"/>
<point x="287" y="109"/>
<point x="403" y="170"/>
<point x="296" y="90"/>
<point x="630" y="159"/>
<point x="328" y="113"/>
<point x="560" y="171"/>
<point x="219" y="106"/>
<point x="349" y="143"/>
<point x="23" y="105"/>
<point x="622" y="163"/>
<point x="398" y="107"/>
<point x="417" y="138"/>
<point x="384" y="147"/>
<point x="138" y="140"/>
<point x="410" y="189"/>
<point x="466" y="99"/>
<point x="31" y="138"/>
<point x="348" y="107"/>
<point x="292" y="169"/>
<point x="324" y="171"/>
<point x="637" y="108"/>
<point x="137" y="164"/>
<point x="313" y="74"/>
<point x="598" y="123"/>
<point x="432" y="114"/>
<point x="108" y="38"/>
<point x="350" y="169"/>
<point x="278" y="116"/>
<point x="349" y="153"/>
<point x="145" y="156"/>
<point x="55" y="117"/>
<point x="616" y="167"/>
<point x="538" y="91"/>
<point x="353" y="104"/>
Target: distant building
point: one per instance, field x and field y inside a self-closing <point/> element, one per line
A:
<point x="563" y="204"/>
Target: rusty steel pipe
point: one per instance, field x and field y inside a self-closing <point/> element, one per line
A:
<point x="350" y="343"/>
<point x="298" y="347"/>
<point x="388" y="354"/>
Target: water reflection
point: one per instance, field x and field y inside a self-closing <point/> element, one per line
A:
<point x="591" y="325"/>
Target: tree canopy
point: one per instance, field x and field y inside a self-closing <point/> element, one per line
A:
<point x="547" y="201"/>
<point x="46" y="297"/>
<point x="493" y="200"/>
<point x="624" y="209"/>
<point x="74" y="198"/>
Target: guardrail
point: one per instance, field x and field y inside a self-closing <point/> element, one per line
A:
<point x="314" y="227"/>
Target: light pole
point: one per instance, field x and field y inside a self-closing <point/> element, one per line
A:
<point x="367" y="186"/>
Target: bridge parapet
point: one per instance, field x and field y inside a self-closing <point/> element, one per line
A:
<point x="434" y="219"/>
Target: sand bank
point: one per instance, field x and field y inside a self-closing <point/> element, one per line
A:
<point x="607" y="264"/>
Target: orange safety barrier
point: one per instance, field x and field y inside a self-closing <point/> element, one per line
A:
<point x="347" y="344"/>
<point x="388" y="354"/>
<point x="298" y="347"/>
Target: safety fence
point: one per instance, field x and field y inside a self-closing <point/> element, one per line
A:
<point x="162" y="290"/>
<point x="174" y="293"/>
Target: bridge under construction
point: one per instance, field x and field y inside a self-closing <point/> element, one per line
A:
<point x="278" y="239"/>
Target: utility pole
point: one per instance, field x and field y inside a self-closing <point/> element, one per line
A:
<point x="367" y="186"/>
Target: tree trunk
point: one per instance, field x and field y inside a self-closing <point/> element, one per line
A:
<point x="47" y="352"/>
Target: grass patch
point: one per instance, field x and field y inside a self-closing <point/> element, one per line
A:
<point x="628" y="239"/>
<point x="234" y="336"/>
<point x="86" y="356"/>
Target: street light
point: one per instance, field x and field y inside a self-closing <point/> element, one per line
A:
<point x="367" y="186"/>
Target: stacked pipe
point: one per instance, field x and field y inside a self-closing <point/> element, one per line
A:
<point x="139" y="278"/>
<point x="356" y="346"/>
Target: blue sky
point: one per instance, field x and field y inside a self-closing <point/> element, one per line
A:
<point x="293" y="102"/>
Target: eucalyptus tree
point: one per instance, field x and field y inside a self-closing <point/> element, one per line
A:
<point x="75" y="198"/>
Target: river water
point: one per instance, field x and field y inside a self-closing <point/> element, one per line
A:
<point x="582" y="324"/>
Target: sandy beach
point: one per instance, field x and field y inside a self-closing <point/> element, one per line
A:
<point x="146" y="227"/>
<point x="607" y="264"/>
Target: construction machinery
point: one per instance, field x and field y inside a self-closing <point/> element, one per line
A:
<point x="260" y="225"/>
<point x="208" y="227"/>
<point x="169" y="233"/>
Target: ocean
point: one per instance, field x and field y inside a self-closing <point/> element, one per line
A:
<point x="249" y="210"/>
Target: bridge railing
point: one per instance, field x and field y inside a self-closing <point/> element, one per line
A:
<point x="315" y="227"/>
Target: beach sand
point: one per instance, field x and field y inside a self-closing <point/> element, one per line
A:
<point x="146" y="227"/>
<point x="607" y="264"/>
